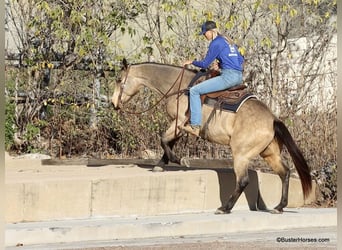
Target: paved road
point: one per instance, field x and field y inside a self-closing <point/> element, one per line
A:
<point x="303" y="228"/>
<point x="302" y="238"/>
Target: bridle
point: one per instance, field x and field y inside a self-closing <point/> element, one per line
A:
<point x="179" y="92"/>
<point x="122" y="86"/>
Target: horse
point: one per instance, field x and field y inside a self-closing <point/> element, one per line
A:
<point x="251" y="131"/>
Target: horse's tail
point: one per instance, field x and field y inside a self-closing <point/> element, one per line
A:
<point x="284" y="136"/>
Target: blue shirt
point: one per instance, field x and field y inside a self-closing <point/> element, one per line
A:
<point x="228" y="55"/>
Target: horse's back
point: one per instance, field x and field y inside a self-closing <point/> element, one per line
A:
<point x="255" y="110"/>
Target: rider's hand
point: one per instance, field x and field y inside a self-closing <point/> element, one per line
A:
<point x="215" y="66"/>
<point x="187" y="62"/>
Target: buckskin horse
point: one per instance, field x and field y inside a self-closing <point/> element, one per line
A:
<point x="251" y="131"/>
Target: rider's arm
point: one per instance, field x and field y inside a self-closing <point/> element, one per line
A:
<point x="212" y="53"/>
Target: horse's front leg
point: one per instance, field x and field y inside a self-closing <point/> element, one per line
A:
<point x="168" y="141"/>
<point x="168" y="155"/>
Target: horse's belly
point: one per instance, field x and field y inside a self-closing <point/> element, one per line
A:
<point x="219" y="139"/>
<point x="218" y="126"/>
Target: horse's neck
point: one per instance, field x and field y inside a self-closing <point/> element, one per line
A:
<point x="162" y="77"/>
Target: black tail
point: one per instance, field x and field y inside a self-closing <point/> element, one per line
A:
<point x="284" y="136"/>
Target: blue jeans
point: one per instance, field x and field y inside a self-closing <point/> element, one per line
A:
<point x="227" y="79"/>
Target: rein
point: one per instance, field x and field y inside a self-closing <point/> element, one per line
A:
<point x="166" y="95"/>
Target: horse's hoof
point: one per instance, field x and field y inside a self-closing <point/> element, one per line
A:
<point x="221" y="211"/>
<point x="157" y="169"/>
<point x="276" y="211"/>
<point x="185" y="162"/>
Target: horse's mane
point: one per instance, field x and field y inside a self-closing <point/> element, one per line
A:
<point x="165" y="65"/>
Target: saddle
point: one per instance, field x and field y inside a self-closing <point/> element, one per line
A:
<point x="229" y="99"/>
<point x="230" y="96"/>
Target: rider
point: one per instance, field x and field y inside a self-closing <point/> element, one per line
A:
<point x="230" y="61"/>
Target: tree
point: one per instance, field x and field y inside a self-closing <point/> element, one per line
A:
<point x="65" y="35"/>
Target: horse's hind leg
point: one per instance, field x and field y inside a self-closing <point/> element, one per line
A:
<point x="242" y="180"/>
<point x="272" y="155"/>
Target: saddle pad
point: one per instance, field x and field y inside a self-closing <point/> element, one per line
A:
<point x="227" y="106"/>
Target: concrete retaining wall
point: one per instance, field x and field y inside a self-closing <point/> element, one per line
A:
<point x="39" y="193"/>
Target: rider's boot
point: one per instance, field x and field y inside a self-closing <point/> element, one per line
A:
<point x="192" y="129"/>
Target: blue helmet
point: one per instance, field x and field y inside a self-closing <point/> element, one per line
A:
<point x="208" y="25"/>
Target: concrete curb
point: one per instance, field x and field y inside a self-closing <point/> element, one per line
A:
<point x="119" y="228"/>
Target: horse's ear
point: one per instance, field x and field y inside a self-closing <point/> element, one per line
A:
<point x="124" y="63"/>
